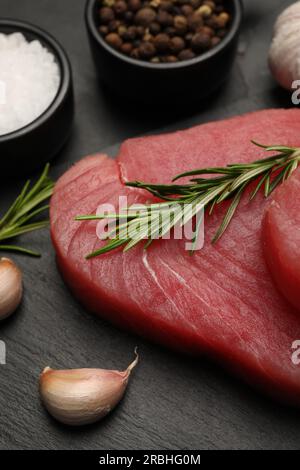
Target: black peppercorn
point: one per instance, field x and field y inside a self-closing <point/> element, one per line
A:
<point x="200" y="42"/>
<point x="147" y="50"/>
<point x="140" y="31"/>
<point x="120" y="7"/>
<point x="129" y="34"/>
<point x="177" y="44"/>
<point x="128" y="16"/>
<point x="162" y="42"/>
<point x="195" y="21"/>
<point x="126" y="48"/>
<point x="114" y="40"/>
<point x="164" y="18"/>
<point x="170" y="59"/>
<point x="154" y="28"/>
<point x="145" y="16"/>
<point x="187" y="10"/>
<point x="186" y="54"/>
<point x="106" y="15"/>
<point x="134" y="5"/>
<point x="212" y="22"/>
<point x="161" y="31"/>
<point x="206" y="30"/>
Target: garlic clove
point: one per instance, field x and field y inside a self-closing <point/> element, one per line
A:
<point x="11" y="288"/>
<point x="284" y="56"/>
<point x="82" y="396"/>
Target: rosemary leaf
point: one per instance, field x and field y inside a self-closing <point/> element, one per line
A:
<point x="19" y="249"/>
<point x="267" y="184"/>
<point x="258" y="186"/>
<point x="229" y="214"/>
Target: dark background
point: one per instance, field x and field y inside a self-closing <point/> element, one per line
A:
<point x="173" y="402"/>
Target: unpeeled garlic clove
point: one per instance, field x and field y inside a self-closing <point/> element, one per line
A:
<point x="82" y="396"/>
<point x="284" y="54"/>
<point x="11" y="288"/>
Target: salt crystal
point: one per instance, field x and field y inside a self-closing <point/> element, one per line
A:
<point x="29" y="81"/>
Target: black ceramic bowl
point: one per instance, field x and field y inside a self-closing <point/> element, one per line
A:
<point x="180" y="83"/>
<point x="38" y="142"/>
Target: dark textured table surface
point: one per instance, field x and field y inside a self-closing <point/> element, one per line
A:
<point x="173" y="402"/>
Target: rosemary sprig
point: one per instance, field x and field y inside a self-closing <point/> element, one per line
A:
<point x="223" y="184"/>
<point x="19" y="218"/>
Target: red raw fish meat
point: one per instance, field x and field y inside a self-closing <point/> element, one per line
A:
<point x="222" y="301"/>
<point x="281" y="238"/>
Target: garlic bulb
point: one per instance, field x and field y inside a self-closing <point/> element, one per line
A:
<point x="10" y="287"/>
<point x="82" y="396"/>
<point x="284" y="55"/>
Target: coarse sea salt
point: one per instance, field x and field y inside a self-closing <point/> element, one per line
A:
<point x="29" y="81"/>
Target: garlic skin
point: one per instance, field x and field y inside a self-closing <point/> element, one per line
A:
<point x="284" y="54"/>
<point x="82" y="396"/>
<point x="11" y="288"/>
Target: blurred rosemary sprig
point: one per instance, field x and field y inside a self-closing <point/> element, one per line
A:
<point x="19" y="218"/>
<point x="225" y="183"/>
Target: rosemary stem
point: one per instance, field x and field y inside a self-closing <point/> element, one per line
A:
<point x="208" y="187"/>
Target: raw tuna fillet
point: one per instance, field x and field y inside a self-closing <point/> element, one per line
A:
<point x="221" y="301"/>
<point x="281" y="238"/>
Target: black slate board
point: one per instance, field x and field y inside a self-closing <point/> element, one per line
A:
<point x="173" y="402"/>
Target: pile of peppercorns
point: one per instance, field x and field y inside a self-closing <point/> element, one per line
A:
<point x="163" y="31"/>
